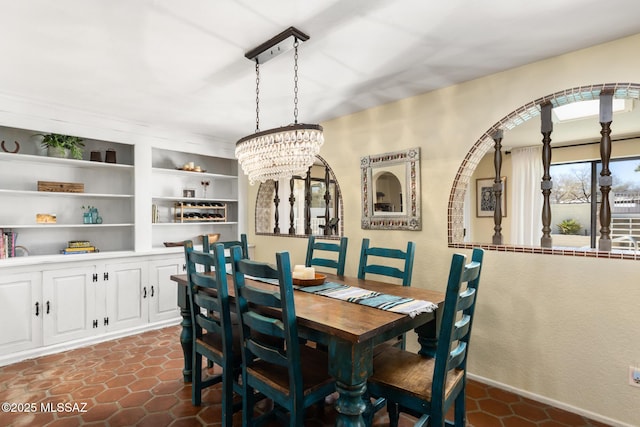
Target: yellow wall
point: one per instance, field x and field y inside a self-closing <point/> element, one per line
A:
<point x="563" y="329"/>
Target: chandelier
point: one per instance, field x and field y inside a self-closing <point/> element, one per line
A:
<point x="287" y="150"/>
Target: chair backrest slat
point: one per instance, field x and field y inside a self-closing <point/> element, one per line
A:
<point x="373" y="266"/>
<point x="243" y="243"/>
<point x="340" y="250"/>
<point x="457" y="318"/>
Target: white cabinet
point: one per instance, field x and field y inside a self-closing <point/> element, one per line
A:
<point x="63" y="305"/>
<point x="20" y="312"/>
<point x="163" y="291"/>
<point x="126" y="299"/>
<point x="68" y="304"/>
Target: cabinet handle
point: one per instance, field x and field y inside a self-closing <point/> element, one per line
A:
<point x="48" y="307"/>
<point x="37" y="308"/>
<point x="152" y="290"/>
<point x="184" y="267"/>
<point x="144" y="292"/>
<point x="105" y="276"/>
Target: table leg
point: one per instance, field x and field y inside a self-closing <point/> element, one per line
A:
<point x="350" y="404"/>
<point x="428" y="336"/>
<point x="350" y="364"/>
<point x="186" y="336"/>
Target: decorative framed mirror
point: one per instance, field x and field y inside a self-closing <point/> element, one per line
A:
<point x="391" y="190"/>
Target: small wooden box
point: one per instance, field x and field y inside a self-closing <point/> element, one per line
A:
<point x="46" y="218"/>
<point x="61" y="187"/>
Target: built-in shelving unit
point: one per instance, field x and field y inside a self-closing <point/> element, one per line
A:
<point x="107" y="186"/>
<point x="178" y="192"/>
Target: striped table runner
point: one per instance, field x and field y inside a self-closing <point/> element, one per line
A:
<point x="357" y="295"/>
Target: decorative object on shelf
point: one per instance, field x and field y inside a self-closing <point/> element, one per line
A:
<point x="96" y="156"/>
<point x="15" y="150"/>
<point x="214" y="237"/>
<point x="189" y="192"/>
<point x="200" y="211"/>
<point x="284" y="151"/>
<point x="110" y="156"/>
<point x="79" y="247"/>
<point x="91" y="215"/>
<point x="46" y="218"/>
<point x="191" y="167"/>
<point x="61" y="187"/>
<point x="58" y="145"/>
<point x="21" y="251"/>
<point x="173" y="244"/>
<point x="204" y="184"/>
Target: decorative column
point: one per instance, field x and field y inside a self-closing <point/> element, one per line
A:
<point x="606" y="117"/>
<point x="546" y="185"/>
<point x="292" y="200"/>
<point x="327" y="202"/>
<point x="497" y="188"/>
<point x="276" y="202"/>
<point x="307" y="203"/>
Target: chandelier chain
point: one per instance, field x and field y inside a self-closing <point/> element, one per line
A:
<point x="257" y="96"/>
<point x="295" y="82"/>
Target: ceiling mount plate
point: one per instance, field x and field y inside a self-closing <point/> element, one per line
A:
<point x="276" y="45"/>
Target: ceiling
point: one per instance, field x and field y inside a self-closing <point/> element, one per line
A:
<point x="180" y="65"/>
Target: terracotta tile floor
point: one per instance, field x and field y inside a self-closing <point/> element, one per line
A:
<point x="137" y="381"/>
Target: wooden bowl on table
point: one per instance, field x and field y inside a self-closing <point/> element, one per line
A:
<point x="318" y="280"/>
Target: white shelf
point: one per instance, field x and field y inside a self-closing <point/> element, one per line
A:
<point x="199" y="199"/>
<point x="51" y="226"/>
<point x="182" y="224"/>
<point x="63" y="194"/>
<point x="30" y="158"/>
<point x="178" y="172"/>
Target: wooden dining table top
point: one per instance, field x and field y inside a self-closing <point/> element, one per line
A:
<point x="345" y="320"/>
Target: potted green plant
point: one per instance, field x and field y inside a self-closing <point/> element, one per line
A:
<point x="58" y="145"/>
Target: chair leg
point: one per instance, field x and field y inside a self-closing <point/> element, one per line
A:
<point x="394" y="414"/>
<point x="196" y="379"/>
<point x="460" y="409"/>
<point x="248" y="402"/>
<point x="227" y="397"/>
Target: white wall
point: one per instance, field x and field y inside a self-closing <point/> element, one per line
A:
<point x="560" y="328"/>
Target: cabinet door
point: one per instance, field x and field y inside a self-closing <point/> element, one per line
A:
<point x="68" y="304"/>
<point x="126" y="295"/>
<point x="163" y="302"/>
<point x="20" y="318"/>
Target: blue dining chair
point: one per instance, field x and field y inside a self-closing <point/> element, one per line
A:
<point x="424" y="386"/>
<point x="213" y="333"/>
<point x="371" y="261"/>
<point x="339" y="259"/>
<point x="243" y="243"/>
<point x="293" y="375"/>
<point x="374" y="266"/>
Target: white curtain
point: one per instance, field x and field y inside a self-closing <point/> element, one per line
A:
<point x="526" y="218"/>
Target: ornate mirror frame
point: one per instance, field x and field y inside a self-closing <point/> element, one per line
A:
<point x="409" y="218"/>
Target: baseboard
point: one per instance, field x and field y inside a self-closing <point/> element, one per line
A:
<point x="9" y="359"/>
<point x="547" y="401"/>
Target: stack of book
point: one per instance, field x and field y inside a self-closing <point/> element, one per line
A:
<point x="79" y="247"/>
<point x="8" y="244"/>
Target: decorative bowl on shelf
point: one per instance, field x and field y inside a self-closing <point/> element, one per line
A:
<point x="318" y="280"/>
<point x="212" y="238"/>
<point x="173" y="244"/>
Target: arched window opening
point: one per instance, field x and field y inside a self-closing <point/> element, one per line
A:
<point x="615" y="145"/>
<point x="301" y="206"/>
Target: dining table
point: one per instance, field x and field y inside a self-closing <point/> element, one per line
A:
<point x="348" y="330"/>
